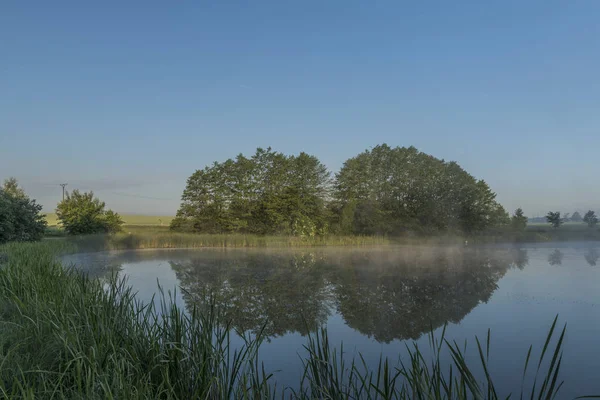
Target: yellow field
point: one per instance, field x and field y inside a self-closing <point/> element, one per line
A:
<point x="130" y="219"/>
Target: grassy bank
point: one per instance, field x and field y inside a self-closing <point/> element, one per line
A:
<point x="128" y="219"/>
<point x="537" y="233"/>
<point x="163" y="239"/>
<point x="66" y="336"/>
<point x="154" y="236"/>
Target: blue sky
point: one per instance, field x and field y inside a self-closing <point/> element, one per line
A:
<point x="130" y="99"/>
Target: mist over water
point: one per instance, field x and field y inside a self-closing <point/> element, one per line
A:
<point x="376" y="300"/>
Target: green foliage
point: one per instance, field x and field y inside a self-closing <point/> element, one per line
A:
<point x="20" y="217"/>
<point x="519" y="220"/>
<point x="11" y="187"/>
<point x="394" y="190"/>
<point x="67" y="336"/>
<point x="147" y="239"/>
<point x="112" y="221"/>
<point x="379" y="192"/>
<point x="554" y="219"/>
<point x="576" y="217"/>
<point x="265" y="194"/>
<point x="590" y="218"/>
<point x="82" y="213"/>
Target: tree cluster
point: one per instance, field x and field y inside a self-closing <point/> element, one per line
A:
<point x="264" y="194"/>
<point x="380" y="191"/>
<point x="20" y="217"/>
<point x="555" y="218"/>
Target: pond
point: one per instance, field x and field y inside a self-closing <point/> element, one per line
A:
<point x="377" y="300"/>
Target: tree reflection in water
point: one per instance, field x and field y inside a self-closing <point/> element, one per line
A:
<point x="556" y="257"/>
<point x="591" y="256"/>
<point x="386" y="295"/>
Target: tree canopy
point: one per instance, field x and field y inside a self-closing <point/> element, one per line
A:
<point x="391" y="190"/>
<point x="380" y="191"/>
<point x="554" y="218"/>
<point x="590" y="218"/>
<point x="266" y="193"/>
<point x="20" y="217"/>
<point x="82" y="213"/>
<point x="519" y="220"/>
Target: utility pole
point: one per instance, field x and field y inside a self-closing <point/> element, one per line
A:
<point x="63" y="186"/>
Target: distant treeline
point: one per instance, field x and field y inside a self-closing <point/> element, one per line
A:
<point x="575" y="217"/>
<point x="383" y="191"/>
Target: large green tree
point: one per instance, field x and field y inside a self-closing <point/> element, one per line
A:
<point x="82" y="213"/>
<point x="554" y="219"/>
<point x="391" y="190"/>
<point x="590" y="218"/>
<point x="20" y="217"/>
<point x="266" y="193"/>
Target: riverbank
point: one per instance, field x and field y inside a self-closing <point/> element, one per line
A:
<point x="65" y="335"/>
<point x="163" y="239"/>
<point x="156" y="237"/>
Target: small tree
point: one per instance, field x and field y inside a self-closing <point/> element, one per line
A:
<point x="82" y="213"/>
<point x="554" y="219"/>
<point x="519" y="220"/>
<point x="590" y="218"/>
<point x="576" y="217"/>
<point x="20" y="217"/>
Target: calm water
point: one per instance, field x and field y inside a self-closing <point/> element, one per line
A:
<point x="376" y="300"/>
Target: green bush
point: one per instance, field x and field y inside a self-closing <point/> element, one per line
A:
<point x="82" y="213"/>
<point x="20" y="218"/>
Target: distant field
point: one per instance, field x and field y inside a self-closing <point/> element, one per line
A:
<point x="130" y="219"/>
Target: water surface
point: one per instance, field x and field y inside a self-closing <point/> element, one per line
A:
<point x="377" y="300"/>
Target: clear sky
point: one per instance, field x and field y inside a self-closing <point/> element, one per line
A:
<point x="129" y="98"/>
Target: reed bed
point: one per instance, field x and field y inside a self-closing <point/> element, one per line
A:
<point x="169" y="240"/>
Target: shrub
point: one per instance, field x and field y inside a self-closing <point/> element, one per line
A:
<point x="82" y="213"/>
<point x="20" y="218"/>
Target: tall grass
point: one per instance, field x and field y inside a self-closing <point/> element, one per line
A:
<point x="152" y="237"/>
<point x="66" y="336"/>
<point x="326" y="375"/>
<point x="166" y="240"/>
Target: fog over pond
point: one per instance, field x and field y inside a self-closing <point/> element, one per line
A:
<point x="375" y="299"/>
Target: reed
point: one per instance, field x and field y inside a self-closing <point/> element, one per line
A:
<point x="169" y="240"/>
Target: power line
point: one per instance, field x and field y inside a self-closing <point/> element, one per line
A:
<point x="142" y="197"/>
<point x="83" y="187"/>
<point x="63" y="188"/>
